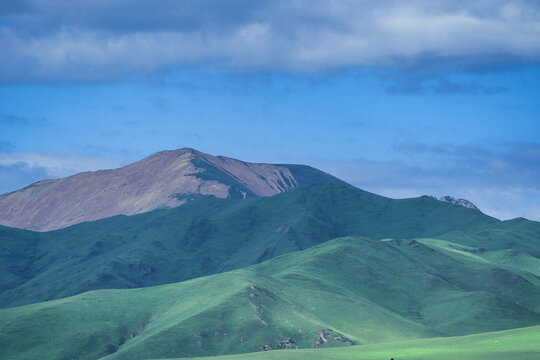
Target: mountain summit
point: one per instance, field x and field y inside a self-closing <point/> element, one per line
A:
<point x="163" y="180"/>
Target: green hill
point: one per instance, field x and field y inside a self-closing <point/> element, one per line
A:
<point x="348" y="291"/>
<point x="518" y="234"/>
<point x="518" y="344"/>
<point x="212" y="235"/>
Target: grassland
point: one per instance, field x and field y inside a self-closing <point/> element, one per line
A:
<point x="263" y="274"/>
<point x="516" y="344"/>
<point x="348" y="291"/>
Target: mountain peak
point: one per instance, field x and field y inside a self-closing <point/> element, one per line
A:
<point x="174" y="153"/>
<point x="163" y="180"/>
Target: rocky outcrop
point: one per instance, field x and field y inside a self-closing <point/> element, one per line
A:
<point x="455" y="201"/>
<point x="163" y="180"/>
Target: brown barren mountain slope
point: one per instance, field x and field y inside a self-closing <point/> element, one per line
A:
<point x="163" y="180"/>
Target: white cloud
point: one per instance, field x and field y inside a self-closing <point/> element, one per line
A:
<point x="56" y="164"/>
<point x="278" y="35"/>
<point x="502" y="184"/>
<point x="497" y="201"/>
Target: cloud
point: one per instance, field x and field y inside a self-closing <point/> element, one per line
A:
<point x="18" y="170"/>
<point x="514" y="163"/>
<point x="503" y="183"/>
<point x="101" y="40"/>
<point x="52" y="165"/>
<point x="16" y="176"/>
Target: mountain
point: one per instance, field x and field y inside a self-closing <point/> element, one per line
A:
<point x="248" y="264"/>
<point x="212" y="235"/>
<point x="461" y="202"/>
<point x="164" y="180"/>
<point x="348" y="291"/>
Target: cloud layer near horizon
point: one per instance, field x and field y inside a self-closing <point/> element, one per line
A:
<point x="460" y="171"/>
<point x="96" y="40"/>
<point x="22" y="169"/>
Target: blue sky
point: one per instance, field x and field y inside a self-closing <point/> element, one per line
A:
<point x="401" y="98"/>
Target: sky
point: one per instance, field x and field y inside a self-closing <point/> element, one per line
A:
<point x="400" y="98"/>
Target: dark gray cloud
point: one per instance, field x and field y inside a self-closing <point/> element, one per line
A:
<point x="127" y="16"/>
<point x="96" y="40"/>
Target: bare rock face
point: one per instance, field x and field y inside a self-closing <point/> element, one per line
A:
<point x="163" y="180"/>
<point x="455" y="201"/>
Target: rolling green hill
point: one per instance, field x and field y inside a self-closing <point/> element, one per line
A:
<point x="212" y="235"/>
<point x="348" y="291"/>
<point x="518" y="344"/>
<point x="519" y="234"/>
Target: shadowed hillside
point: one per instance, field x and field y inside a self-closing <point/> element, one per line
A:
<point x="208" y="236"/>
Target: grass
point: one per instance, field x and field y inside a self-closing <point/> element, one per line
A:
<point x="400" y="275"/>
<point x="516" y="344"/>
<point x="344" y="292"/>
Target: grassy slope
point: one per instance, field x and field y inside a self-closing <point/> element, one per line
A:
<point x="516" y="344"/>
<point x="347" y="291"/>
<point x="518" y="234"/>
<point x="208" y="236"/>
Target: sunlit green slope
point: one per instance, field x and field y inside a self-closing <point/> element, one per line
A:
<point x="518" y="344"/>
<point x="343" y="292"/>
